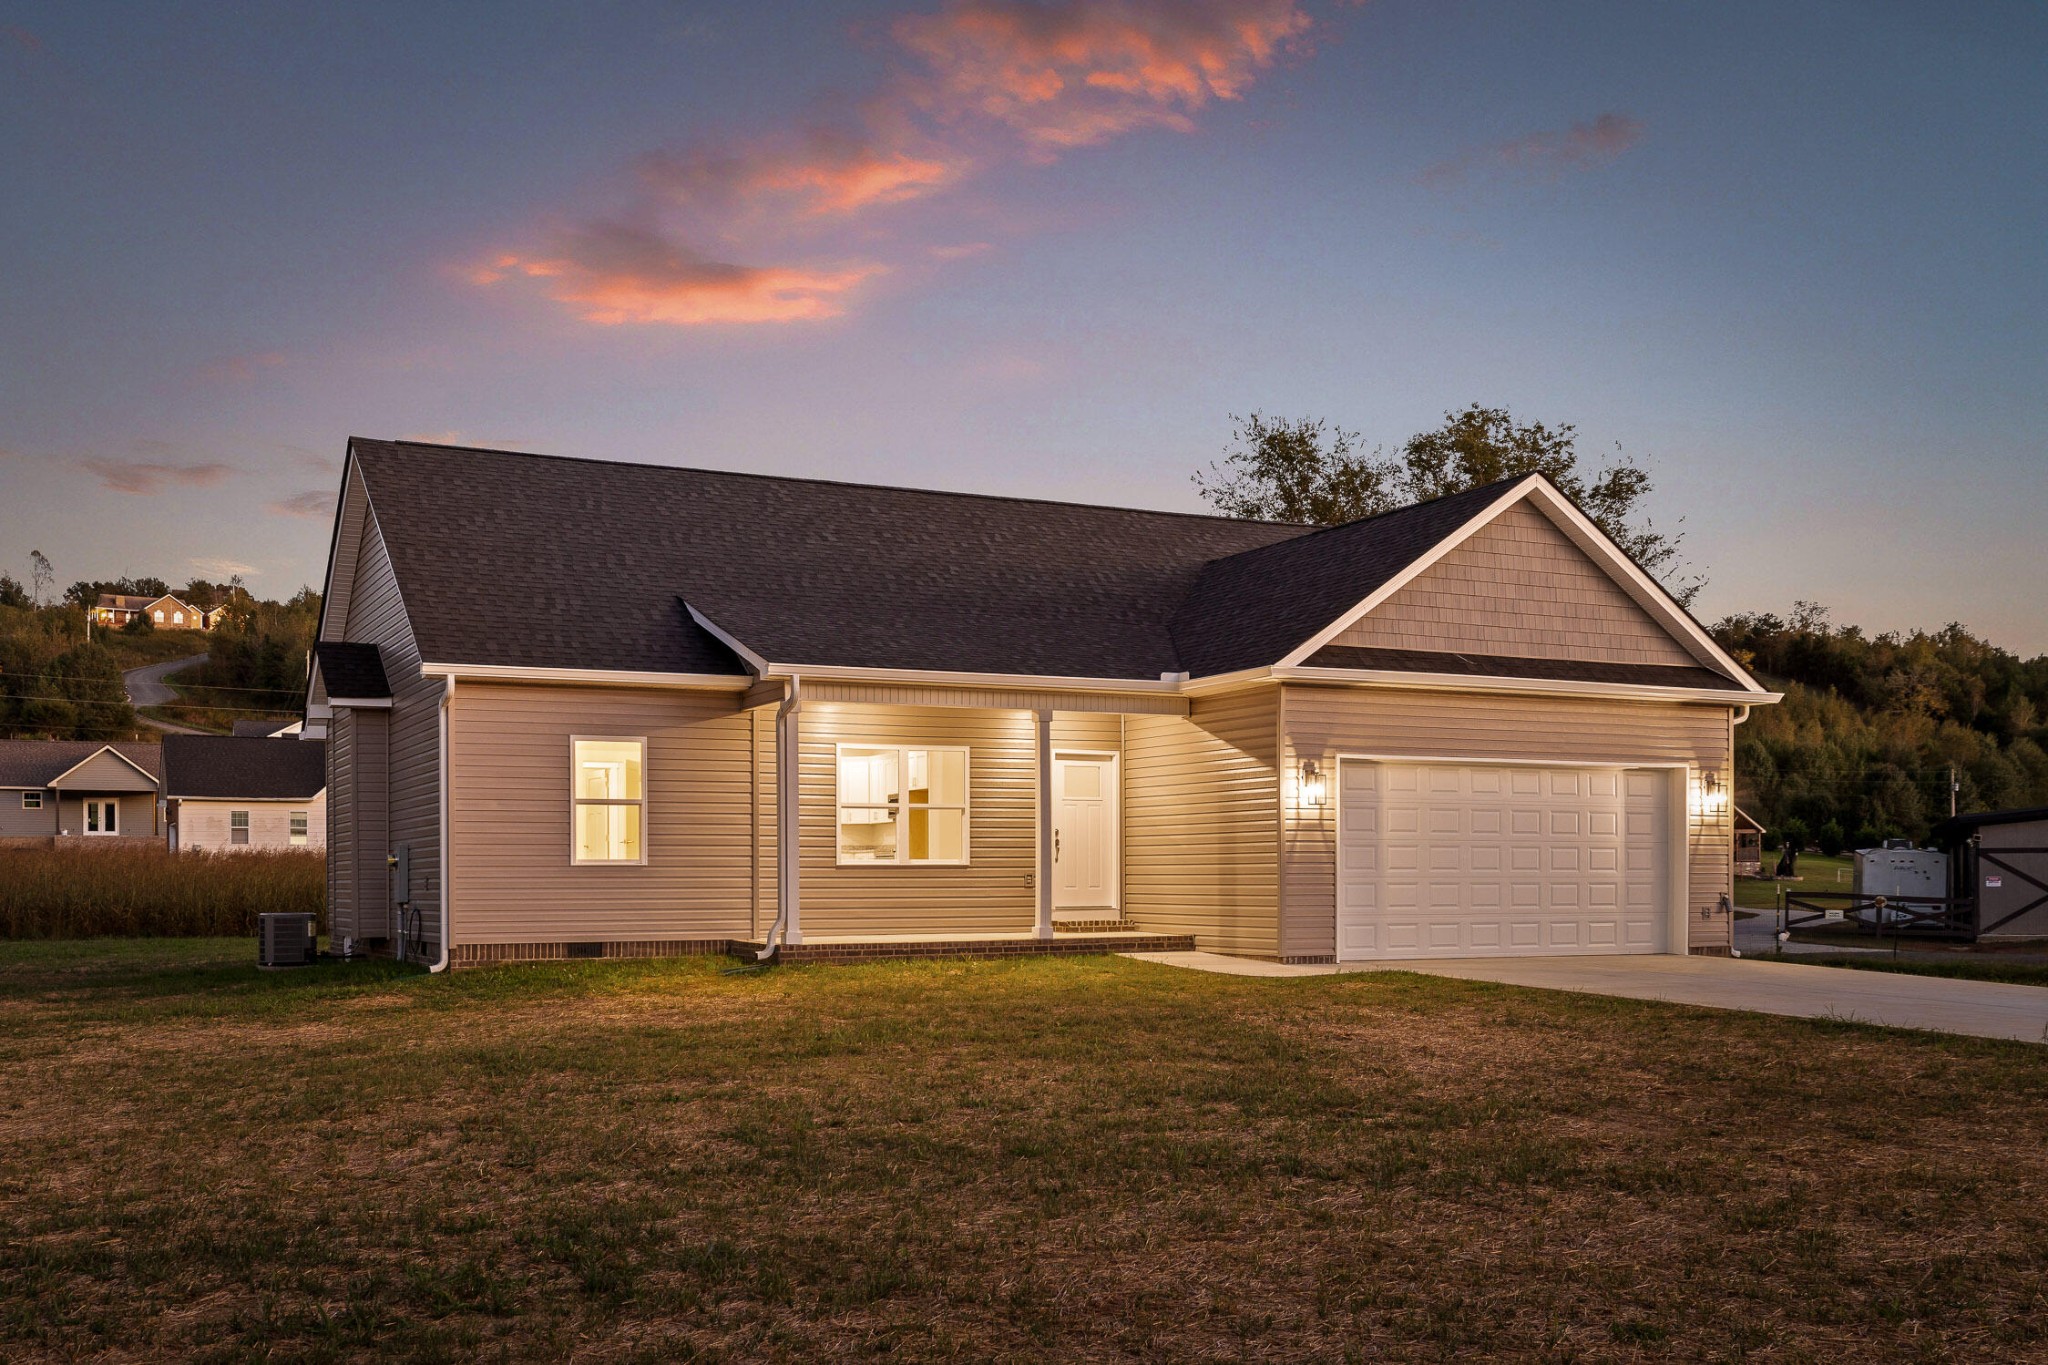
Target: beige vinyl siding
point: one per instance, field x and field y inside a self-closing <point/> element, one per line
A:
<point x="1201" y="824"/>
<point x="510" y="816"/>
<point x="993" y="893"/>
<point x="1093" y="732"/>
<point x="761" y="777"/>
<point x="106" y="772"/>
<point x="373" y="613"/>
<point x="341" y="841"/>
<point x="1322" y="722"/>
<point x="1518" y="587"/>
<point x="17" y="822"/>
<point x="207" y="824"/>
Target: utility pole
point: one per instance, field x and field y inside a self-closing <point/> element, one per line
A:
<point x="1954" y="786"/>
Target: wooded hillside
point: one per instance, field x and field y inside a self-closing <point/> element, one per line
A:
<point x="1871" y="725"/>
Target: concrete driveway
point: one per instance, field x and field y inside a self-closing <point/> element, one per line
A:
<point x="1982" y="1009"/>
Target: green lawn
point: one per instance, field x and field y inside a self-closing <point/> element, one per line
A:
<point x="1037" y="1159"/>
<point x="1961" y="966"/>
<point x="1816" y="873"/>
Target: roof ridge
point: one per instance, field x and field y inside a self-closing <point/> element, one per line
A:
<point x="812" y="479"/>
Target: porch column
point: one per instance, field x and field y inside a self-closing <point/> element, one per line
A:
<point x="788" y="805"/>
<point x="1045" y="834"/>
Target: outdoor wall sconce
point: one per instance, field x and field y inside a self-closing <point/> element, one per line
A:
<point x="1313" y="790"/>
<point x="1713" y="796"/>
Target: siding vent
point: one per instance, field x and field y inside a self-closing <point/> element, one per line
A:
<point x="583" y="949"/>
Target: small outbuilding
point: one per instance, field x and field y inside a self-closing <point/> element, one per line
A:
<point x="234" y="793"/>
<point x="2000" y="859"/>
<point x="1749" y="845"/>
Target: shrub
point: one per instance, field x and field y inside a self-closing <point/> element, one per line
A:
<point x="1794" y="835"/>
<point x="1830" y="839"/>
<point x="146" y="892"/>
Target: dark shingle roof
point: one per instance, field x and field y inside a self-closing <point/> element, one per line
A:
<point x="257" y="729"/>
<point x="1503" y="666"/>
<point x="588" y="565"/>
<point x="539" y="561"/>
<point x="351" y="670"/>
<point x="38" y="762"/>
<point x="225" y="766"/>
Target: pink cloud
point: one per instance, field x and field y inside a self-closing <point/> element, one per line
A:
<point x="315" y="504"/>
<point x="1545" y="155"/>
<point x="1075" y="73"/>
<point x="240" y="369"/>
<point x="612" y="273"/>
<point x="137" y="476"/>
<point x="984" y="81"/>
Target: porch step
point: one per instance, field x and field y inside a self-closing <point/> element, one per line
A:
<point x="1095" y="926"/>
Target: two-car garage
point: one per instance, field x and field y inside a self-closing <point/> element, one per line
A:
<point x="1492" y="860"/>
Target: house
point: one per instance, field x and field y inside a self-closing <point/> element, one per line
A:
<point x="704" y="708"/>
<point x="1749" y="845"/>
<point x="78" y="789"/>
<point x="1998" y="860"/>
<point x="165" y="613"/>
<point x="267" y="729"/>
<point x="226" y="794"/>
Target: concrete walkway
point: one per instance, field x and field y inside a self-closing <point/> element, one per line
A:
<point x="1981" y="1009"/>
<point x="146" y="687"/>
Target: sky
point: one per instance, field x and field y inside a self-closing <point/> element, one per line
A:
<point x="1793" y="258"/>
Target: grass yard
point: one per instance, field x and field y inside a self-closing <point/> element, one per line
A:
<point x="1816" y="873"/>
<point x="1034" y="1159"/>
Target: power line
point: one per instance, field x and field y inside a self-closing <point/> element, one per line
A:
<point x="210" y="687"/>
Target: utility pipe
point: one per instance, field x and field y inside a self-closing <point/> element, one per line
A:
<point x="787" y="812"/>
<point x="447" y="696"/>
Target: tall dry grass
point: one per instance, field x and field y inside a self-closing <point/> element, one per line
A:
<point x="145" y="892"/>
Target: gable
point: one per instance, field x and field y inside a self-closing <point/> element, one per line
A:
<point x="1518" y="587"/>
<point x="105" y="771"/>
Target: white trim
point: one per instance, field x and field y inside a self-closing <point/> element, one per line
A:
<point x="1677" y="835"/>
<point x="358" y="703"/>
<point x="155" y="781"/>
<point x="1115" y="797"/>
<point x="593" y="677"/>
<point x="245" y="800"/>
<point x="731" y="642"/>
<point x="1644" y="590"/>
<point x="1462" y="682"/>
<point x="903" y="806"/>
<point x="575" y="801"/>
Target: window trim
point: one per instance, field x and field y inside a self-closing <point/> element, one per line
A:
<point x="242" y="829"/>
<point x="31" y="800"/>
<point x="575" y="801"/>
<point x="905" y="806"/>
<point x="298" y="830"/>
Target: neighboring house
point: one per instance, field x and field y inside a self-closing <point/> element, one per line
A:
<point x="165" y="613"/>
<point x="1749" y="845"/>
<point x="698" y="708"/>
<point x="78" y="789"/>
<point x="227" y="794"/>
<point x="267" y="729"/>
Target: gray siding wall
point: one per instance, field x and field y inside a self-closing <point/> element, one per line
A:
<point x="137" y="818"/>
<point x="374" y="613"/>
<point x="104" y="772"/>
<point x="1202" y="823"/>
<point x="2014" y="891"/>
<point x="341" y="837"/>
<point x="19" y="823"/>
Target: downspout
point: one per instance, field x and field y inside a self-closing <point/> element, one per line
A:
<point x="447" y="696"/>
<point x="1736" y="716"/>
<point x="786" y="796"/>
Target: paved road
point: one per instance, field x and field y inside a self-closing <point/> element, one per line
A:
<point x="1983" y="1009"/>
<point x="146" y="687"/>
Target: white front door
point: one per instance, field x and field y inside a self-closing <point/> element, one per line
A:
<point x="102" y="817"/>
<point x="1084" y="827"/>
<point x="1485" y="860"/>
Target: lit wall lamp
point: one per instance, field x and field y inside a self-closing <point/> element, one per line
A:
<point x="1713" y="796"/>
<point x="1313" y="789"/>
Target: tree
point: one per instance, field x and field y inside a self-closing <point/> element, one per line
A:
<point x="40" y="576"/>
<point x="1830" y="840"/>
<point x="1311" y="471"/>
<point x="12" y="594"/>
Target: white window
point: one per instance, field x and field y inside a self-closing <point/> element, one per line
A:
<point x="177" y="618"/>
<point x="608" y="796"/>
<point x="902" y="805"/>
<point x="31" y="800"/>
<point x="159" y="613"/>
<point x="238" y="827"/>
<point x="298" y="829"/>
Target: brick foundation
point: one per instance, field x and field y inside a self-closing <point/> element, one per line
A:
<point x="1075" y="944"/>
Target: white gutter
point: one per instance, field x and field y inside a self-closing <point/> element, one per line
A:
<point x="721" y="682"/>
<point x="447" y="696"/>
<point x="787" y="797"/>
<point x="1466" y="682"/>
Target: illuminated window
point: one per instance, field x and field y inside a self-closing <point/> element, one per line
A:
<point x="177" y="618"/>
<point x="902" y="805"/>
<point x="159" y="613"/>
<point x="298" y="829"/>
<point x="238" y="827"/>
<point x="608" y="791"/>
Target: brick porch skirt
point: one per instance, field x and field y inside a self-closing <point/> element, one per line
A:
<point x="1065" y="945"/>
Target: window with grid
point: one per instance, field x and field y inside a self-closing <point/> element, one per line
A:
<point x="902" y="805"/>
<point x="238" y="827"/>
<point x="31" y="800"/>
<point x="298" y="829"/>
<point x="608" y="799"/>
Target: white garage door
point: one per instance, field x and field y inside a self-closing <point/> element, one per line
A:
<point x="1445" y="860"/>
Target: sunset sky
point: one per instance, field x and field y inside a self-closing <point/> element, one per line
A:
<point x="1794" y="257"/>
